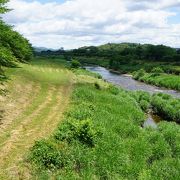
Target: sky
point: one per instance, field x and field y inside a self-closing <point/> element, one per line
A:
<point x="76" y="23"/>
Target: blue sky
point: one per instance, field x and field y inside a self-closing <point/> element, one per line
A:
<point x="175" y="19"/>
<point x="75" y="23"/>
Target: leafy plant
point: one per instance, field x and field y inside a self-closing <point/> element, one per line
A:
<point x="139" y="74"/>
<point x="77" y="130"/>
<point x="75" y="64"/>
<point x="45" y="154"/>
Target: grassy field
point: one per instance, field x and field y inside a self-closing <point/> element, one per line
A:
<point x="38" y="94"/>
<point x="98" y="137"/>
<point x="101" y="138"/>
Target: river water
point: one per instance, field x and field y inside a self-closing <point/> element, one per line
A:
<point x="127" y="82"/>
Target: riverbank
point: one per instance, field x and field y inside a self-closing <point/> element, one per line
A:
<point x="168" y="81"/>
<point x="127" y="82"/>
<point x="101" y="137"/>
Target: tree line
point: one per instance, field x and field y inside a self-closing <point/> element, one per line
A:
<point x="131" y="51"/>
<point x="123" y="52"/>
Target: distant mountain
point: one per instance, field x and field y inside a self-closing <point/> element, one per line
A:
<point x="40" y="49"/>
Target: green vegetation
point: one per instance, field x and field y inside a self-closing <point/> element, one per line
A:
<point x="166" y="106"/>
<point x="143" y="99"/>
<point x="13" y="46"/>
<point x="158" y="78"/>
<point x="101" y="138"/>
<point x="161" y="104"/>
<point x="75" y="64"/>
<point x="101" y="134"/>
<point x="86" y="73"/>
<point x="132" y="57"/>
<point x="37" y="95"/>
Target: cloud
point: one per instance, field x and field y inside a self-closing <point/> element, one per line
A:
<point x="77" y="23"/>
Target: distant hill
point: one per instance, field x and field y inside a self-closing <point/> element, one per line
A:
<point x="115" y="46"/>
<point x="118" y="46"/>
<point x="40" y="49"/>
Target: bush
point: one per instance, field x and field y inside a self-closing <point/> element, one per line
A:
<point x="47" y="155"/>
<point x="139" y="74"/>
<point x="157" y="71"/>
<point x="77" y="130"/>
<point x="75" y="64"/>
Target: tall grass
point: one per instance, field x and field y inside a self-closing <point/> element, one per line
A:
<point x="162" y="80"/>
<point x="101" y="138"/>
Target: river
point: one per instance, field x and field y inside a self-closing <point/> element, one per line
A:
<point x="127" y="82"/>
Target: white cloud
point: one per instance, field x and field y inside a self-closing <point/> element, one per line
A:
<point x="91" y="22"/>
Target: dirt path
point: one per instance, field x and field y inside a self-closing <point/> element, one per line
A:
<point x="41" y="122"/>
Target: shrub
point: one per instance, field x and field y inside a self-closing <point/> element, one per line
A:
<point x="75" y="64"/>
<point x="47" y="155"/>
<point x="156" y="71"/>
<point x="139" y="74"/>
<point x="77" y="130"/>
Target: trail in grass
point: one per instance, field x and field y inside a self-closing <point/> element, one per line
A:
<point x="39" y="124"/>
<point x="37" y="119"/>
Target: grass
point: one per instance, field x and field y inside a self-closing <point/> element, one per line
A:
<point x="121" y="149"/>
<point x="98" y="137"/>
<point x="169" y="81"/>
<point x="31" y="110"/>
<point x="164" y="105"/>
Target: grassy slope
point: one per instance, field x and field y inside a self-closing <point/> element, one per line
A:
<point x="163" y="80"/>
<point x="38" y="95"/>
<point x="121" y="148"/>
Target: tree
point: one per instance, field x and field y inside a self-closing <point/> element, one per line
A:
<point x="13" y="46"/>
<point x="178" y="51"/>
<point x="159" y="52"/>
<point x="3" y="8"/>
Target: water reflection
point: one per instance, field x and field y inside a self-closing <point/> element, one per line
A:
<point x="152" y="121"/>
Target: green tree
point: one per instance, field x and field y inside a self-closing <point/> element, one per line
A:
<point x="3" y="8"/>
<point x="13" y="46"/>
